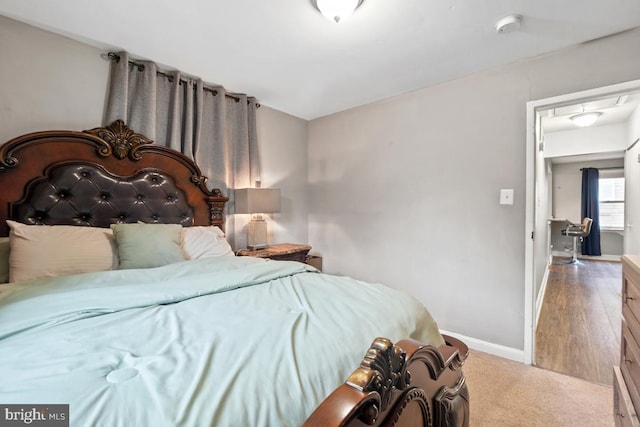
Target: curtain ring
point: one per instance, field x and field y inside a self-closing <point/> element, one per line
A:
<point x="113" y="56"/>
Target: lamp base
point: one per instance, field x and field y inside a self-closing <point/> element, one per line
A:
<point x="257" y="238"/>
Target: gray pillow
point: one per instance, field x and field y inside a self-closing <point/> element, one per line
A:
<point x="147" y="245"/>
<point x="4" y="259"/>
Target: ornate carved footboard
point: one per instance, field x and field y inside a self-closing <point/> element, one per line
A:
<point x="407" y="384"/>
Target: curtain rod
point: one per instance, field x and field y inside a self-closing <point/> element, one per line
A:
<point x="607" y="169"/>
<point x="112" y="56"/>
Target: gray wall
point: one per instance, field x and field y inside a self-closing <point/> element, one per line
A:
<point x="48" y="82"/>
<point x="567" y="186"/>
<point x="567" y="194"/>
<point x="405" y="191"/>
<point x="282" y="142"/>
<point x="51" y="82"/>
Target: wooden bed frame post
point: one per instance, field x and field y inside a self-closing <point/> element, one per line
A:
<point x="407" y="384"/>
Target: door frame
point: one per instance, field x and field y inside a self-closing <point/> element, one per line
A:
<point x="533" y="107"/>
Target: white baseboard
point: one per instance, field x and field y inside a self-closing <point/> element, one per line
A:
<point x="541" y="292"/>
<point x="602" y="257"/>
<point x="487" y="347"/>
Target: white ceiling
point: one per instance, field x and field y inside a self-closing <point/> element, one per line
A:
<point x="613" y="109"/>
<point x="293" y="59"/>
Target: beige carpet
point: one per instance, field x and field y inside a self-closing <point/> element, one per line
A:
<point x="507" y="393"/>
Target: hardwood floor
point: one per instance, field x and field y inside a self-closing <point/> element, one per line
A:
<point x="578" y="332"/>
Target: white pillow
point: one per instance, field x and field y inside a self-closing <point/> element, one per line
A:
<point x="58" y="250"/>
<point x="204" y="242"/>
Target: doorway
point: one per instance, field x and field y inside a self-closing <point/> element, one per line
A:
<point x="539" y="208"/>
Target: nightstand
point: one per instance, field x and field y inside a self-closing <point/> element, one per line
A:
<point x="281" y="252"/>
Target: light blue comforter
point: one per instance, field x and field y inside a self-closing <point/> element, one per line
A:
<point x="230" y="341"/>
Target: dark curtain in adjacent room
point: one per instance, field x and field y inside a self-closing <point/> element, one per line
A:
<point x="591" y="209"/>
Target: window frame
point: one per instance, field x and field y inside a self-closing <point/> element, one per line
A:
<point x="612" y="174"/>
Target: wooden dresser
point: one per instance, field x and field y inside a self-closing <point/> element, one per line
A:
<point x="626" y="377"/>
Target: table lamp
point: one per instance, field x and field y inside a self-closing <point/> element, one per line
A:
<point x="257" y="201"/>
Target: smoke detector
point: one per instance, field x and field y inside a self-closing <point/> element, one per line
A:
<point x="508" y="24"/>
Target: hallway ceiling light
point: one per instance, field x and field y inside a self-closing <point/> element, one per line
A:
<point x="337" y="10"/>
<point x="585" y="119"/>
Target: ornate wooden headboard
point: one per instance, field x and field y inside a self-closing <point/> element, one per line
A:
<point x="99" y="177"/>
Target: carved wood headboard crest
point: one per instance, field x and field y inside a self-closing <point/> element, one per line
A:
<point x="121" y="140"/>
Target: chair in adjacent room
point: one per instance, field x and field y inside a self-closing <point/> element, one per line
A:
<point x="577" y="231"/>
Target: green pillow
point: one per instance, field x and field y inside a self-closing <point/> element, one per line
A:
<point x="4" y="259"/>
<point x="147" y="245"/>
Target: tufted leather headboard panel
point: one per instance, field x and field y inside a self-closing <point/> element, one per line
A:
<point x="99" y="177"/>
<point x="83" y="194"/>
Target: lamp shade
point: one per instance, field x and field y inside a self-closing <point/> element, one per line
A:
<point x="257" y="200"/>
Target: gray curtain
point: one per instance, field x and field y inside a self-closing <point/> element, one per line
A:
<point x="216" y="130"/>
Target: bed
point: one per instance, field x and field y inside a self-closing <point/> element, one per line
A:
<point x="125" y="302"/>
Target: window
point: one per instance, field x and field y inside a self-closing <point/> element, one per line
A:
<point x="611" y="200"/>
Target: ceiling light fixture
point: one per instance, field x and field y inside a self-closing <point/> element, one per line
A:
<point x="585" y="119"/>
<point x="337" y="10"/>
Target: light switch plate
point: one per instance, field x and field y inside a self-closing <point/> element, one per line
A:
<point x="506" y="196"/>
